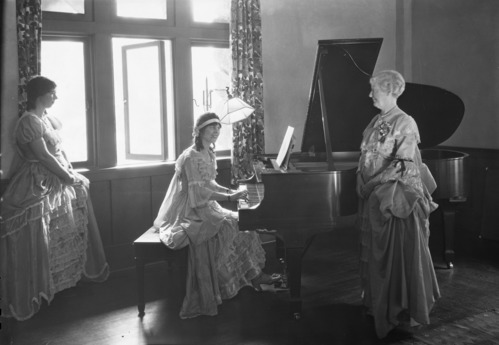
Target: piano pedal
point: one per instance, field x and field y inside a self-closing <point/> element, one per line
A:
<point x="281" y="285"/>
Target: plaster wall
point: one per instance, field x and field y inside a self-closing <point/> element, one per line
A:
<point x="456" y="46"/>
<point x="290" y="32"/>
<point x="452" y="44"/>
<point x="8" y="108"/>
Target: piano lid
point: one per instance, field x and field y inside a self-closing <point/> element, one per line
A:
<point x="437" y="112"/>
<point x="347" y="65"/>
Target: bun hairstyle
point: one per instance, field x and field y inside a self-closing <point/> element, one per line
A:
<point x="389" y="81"/>
<point x="201" y="123"/>
<point x="36" y="87"/>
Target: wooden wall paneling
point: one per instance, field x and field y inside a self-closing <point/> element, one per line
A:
<point x="469" y="216"/>
<point x="159" y="186"/>
<point x="224" y="172"/>
<point x="223" y="179"/>
<point x="490" y="209"/>
<point x="100" y="194"/>
<point x="131" y="208"/>
<point x="120" y="256"/>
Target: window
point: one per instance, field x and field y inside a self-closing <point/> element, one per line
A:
<point x="143" y="80"/>
<point x="211" y="69"/>
<point x="211" y="11"/>
<point x="150" y="9"/>
<point x="136" y="65"/>
<point x="64" y="6"/>
<point x="64" y="61"/>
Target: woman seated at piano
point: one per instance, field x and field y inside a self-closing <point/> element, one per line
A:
<point x="399" y="284"/>
<point x="221" y="259"/>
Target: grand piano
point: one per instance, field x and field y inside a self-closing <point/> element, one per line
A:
<point x="318" y="185"/>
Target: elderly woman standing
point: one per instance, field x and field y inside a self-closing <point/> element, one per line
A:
<point x="397" y="275"/>
<point x="222" y="259"/>
<point x="49" y="238"/>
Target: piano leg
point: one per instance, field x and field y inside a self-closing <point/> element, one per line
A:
<point x="449" y="223"/>
<point x="293" y="261"/>
<point x="280" y="249"/>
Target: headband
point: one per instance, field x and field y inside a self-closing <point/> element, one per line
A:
<point x="195" y="133"/>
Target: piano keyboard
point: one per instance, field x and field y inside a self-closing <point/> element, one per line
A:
<point x="255" y="195"/>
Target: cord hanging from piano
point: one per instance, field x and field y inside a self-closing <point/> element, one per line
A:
<point x="351" y="58"/>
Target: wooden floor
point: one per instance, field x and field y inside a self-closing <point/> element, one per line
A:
<point x="106" y="313"/>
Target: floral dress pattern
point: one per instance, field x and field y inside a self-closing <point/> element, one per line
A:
<point x="397" y="274"/>
<point x="49" y="238"/>
<point x="222" y="259"/>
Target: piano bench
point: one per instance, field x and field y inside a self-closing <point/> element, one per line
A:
<point x="148" y="248"/>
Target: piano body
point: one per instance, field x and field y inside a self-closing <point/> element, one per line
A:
<point x="438" y="114"/>
<point x="319" y="185"/>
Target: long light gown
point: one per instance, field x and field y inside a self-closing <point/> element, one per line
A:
<point x="49" y="238"/>
<point x="221" y="259"/>
<point x="397" y="273"/>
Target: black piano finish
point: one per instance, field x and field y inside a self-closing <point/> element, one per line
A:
<point x="320" y="184"/>
<point x="302" y="200"/>
<point x="439" y="113"/>
<point x="298" y="206"/>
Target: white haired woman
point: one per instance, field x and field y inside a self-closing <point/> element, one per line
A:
<point x="398" y="280"/>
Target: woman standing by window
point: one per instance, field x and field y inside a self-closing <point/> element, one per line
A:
<point x="49" y="238"/>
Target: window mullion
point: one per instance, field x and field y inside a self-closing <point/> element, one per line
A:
<point x="104" y="102"/>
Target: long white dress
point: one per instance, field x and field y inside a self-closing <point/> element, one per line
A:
<point x="397" y="273"/>
<point x="222" y="259"/>
<point x="49" y="238"/>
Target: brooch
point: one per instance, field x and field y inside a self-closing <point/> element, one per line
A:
<point x="383" y="130"/>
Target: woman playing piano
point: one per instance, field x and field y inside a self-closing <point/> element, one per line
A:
<point x="222" y="259"/>
<point x="398" y="280"/>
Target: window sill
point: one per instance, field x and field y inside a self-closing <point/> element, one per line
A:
<point x="142" y="170"/>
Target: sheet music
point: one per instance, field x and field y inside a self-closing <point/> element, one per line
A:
<point x="286" y="147"/>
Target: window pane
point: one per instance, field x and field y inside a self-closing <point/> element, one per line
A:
<point x="211" y="67"/>
<point x="211" y="11"/>
<point x="64" y="63"/>
<point x="150" y="9"/>
<point x="64" y="6"/>
<point x="143" y="100"/>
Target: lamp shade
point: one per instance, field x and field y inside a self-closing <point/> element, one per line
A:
<point x="235" y="110"/>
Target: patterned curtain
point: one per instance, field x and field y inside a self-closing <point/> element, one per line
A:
<point x="247" y="84"/>
<point x="29" y="39"/>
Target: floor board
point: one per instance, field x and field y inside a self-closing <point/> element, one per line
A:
<point x="106" y="313"/>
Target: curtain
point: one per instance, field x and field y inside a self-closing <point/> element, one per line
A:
<point x="247" y="84"/>
<point x="29" y="39"/>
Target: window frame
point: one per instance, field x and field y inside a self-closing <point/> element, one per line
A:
<point x="159" y="44"/>
<point x="90" y="110"/>
<point x="104" y="25"/>
<point x="169" y="21"/>
<point x="213" y="44"/>
<point x="87" y="16"/>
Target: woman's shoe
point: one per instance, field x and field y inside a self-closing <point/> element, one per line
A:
<point x="265" y="279"/>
